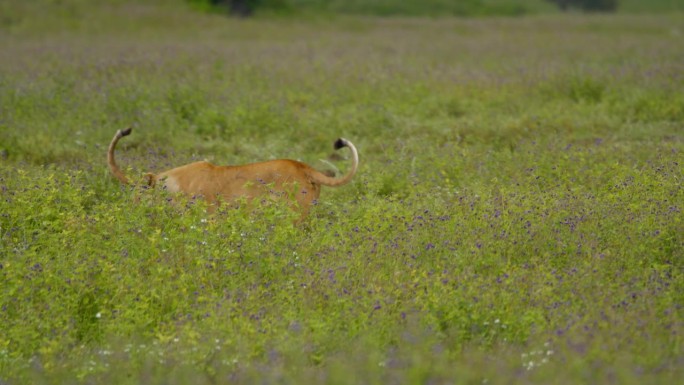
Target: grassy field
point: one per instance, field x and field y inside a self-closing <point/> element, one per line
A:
<point x="516" y="218"/>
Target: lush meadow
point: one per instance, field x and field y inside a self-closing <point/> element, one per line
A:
<point x="517" y="216"/>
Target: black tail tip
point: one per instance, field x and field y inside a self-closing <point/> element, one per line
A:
<point x="127" y="131"/>
<point x="339" y="143"/>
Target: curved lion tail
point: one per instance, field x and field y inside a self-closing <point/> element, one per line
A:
<point x="332" y="182"/>
<point x="110" y="155"/>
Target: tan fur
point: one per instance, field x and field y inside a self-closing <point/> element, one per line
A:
<point x="279" y="178"/>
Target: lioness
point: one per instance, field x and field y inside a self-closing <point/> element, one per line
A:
<point x="229" y="183"/>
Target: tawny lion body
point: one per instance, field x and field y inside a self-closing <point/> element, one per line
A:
<point x="283" y="177"/>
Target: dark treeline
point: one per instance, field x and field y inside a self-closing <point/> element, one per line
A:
<point x="245" y="8"/>
<point x="587" y="5"/>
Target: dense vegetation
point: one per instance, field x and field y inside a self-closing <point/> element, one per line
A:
<point x="517" y="216"/>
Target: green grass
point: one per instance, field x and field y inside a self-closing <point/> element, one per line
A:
<point x="517" y="215"/>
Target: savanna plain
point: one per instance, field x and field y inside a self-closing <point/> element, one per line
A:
<point x="516" y="217"/>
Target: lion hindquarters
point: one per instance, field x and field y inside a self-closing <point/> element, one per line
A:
<point x="287" y="179"/>
<point x="191" y="179"/>
<point x="278" y="179"/>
